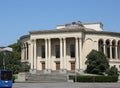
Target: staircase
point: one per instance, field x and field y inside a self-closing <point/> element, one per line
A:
<point x="40" y="77"/>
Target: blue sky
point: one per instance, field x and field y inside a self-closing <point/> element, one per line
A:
<point x="18" y="17"/>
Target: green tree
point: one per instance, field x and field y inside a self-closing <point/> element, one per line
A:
<point x="96" y="62"/>
<point x="22" y="66"/>
<point x="10" y="62"/>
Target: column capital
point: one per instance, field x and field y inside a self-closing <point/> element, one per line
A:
<point x="32" y="40"/>
<point x="64" y="38"/>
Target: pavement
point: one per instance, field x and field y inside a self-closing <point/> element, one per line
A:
<point x="66" y="85"/>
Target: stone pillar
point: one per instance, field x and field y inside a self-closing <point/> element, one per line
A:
<point x="76" y="55"/>
<point x="46" y="54"/>
<point x="104" y="47"/>
<point x="22" y="52"/>
<point x="64" y="59"/>
<point x="116" y="51"/>
<point x="32" y="70"/>
<point x="61" y="54"/>
<point x="80" y="56"/>
<point x="26" y="46"/>
<point x="35" y="57"/>
<point x="31" y="54"/>
<point x="49" y="54"/>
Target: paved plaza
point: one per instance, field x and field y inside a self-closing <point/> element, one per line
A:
<point x="66" y="85"/>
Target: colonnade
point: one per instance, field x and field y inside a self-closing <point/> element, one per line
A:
<point x="111" y="48"/>
<point x="48" y="48"/>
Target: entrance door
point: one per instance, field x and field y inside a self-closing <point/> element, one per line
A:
<point x="57" y="65"/>
<point x="43" y="66"/>
<point x="72" y="66"/>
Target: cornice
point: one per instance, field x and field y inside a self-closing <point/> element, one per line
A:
<point x="103" y="33"/>
<point x="57" y="31"/>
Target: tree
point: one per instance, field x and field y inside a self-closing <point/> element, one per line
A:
<point x="96" y="62"/>
<point x="22" y="66"/>
<point x="11" y="63"/>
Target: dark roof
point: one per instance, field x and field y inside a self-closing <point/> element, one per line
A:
<point x="24" y="36"/>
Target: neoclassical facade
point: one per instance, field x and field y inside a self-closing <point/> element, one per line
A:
<point x="65" y="48"/>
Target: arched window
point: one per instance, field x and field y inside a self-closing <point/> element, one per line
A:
<point x="27" y="50"/>
<point x="113" y="49"/>
<point x="24" y="51"/>
<point x="118" y="49"/>
<point x="108" y="48"/>
<point x="100" y="45"/>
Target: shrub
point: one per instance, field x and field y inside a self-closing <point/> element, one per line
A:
<point x="112" y="71"/>
<point x="113" y="78"/>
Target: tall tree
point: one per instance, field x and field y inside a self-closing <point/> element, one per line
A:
<point x="96" y="62"/>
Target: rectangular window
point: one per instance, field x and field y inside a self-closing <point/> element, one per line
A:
<point x="43" y="51"/>
<point x="72" y="50"/>
<point x="57" y="51"/>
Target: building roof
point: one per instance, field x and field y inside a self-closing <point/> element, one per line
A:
<point x="73" y="27"/>
<point x="68" y="29"/>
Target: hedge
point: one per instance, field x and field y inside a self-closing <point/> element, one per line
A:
<point x="102" y="78"/>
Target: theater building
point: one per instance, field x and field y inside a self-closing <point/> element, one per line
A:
<point x="65" y="48"/>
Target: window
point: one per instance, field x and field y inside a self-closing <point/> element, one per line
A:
<point x="72" y="50"/>
<point x="101" y="45"/>
<point x="27" y="51"/>
<point x="57" y="51"/>
<point x="43" y="51"/>
<point x="108" y="48"/>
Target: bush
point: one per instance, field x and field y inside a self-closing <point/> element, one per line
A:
<point x="112" y="71"/>
<point x="113" y="78"/>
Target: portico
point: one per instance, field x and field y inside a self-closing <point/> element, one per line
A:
<point x="56" y="54"/>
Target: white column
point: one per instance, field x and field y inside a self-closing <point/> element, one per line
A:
<point x="61" y="54"/>
<point x="65" y="59"/>
<point x="80" y="54"/>
<point x="46" y="54"/>
<point x="22" y="52"/>
<point x="35" y="57"/>
<point x="104" y="45"/>
<point x="116" y="51"/>
<point x="31" y="54"/>
<point x="49" y="54"/>
<point x="76" y="54"/>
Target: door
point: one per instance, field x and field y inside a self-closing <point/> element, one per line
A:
<point x="57" y="65"/>
<point x="43" y="66"/>
<point x="72" y="66"/>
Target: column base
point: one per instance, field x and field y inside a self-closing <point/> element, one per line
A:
<point x="63" y="71"/>
<point x="33" y="71"/>
<point x="80" y="71"/>
<point x="47" y="71"/>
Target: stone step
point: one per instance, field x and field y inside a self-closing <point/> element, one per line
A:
<point x="46" y="78"/>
